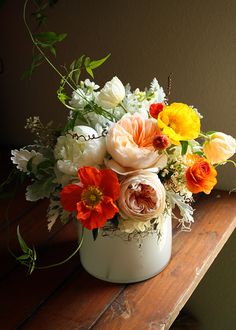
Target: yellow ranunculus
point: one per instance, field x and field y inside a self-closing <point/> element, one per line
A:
<point x="179" y="122"/>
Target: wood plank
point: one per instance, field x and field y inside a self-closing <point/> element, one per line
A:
<point x="154" y="304"/>
<point x="86" y="303"/>
<point x="33" y="227"/>
<point x="14" y="208"/>
<point x="22" y="294"/>
<point x="77" y="305"/>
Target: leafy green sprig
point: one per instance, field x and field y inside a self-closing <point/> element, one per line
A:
<point x="28" y="257"/>
<point x="46" y="41"/>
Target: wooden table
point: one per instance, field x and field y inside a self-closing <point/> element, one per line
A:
<point x="68" y="298"/>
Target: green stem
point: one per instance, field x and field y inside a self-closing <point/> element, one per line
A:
<point x="226" y="161"/>
<point x="67" y="259"/>
<point x="123" y="107"/>
<point x="64" y="79"/>
<point x="38" y="48"/>
<point x="204" y="136"/>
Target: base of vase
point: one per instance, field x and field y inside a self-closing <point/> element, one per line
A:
<point x="119" y="259"/>
<point x="125" y="280"/>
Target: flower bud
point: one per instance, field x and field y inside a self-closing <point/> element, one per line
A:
<point x="219" y="147"/>
<point x="155" y="109"/>
<point x="111" y="94"/>
<point x="160" y="142"/>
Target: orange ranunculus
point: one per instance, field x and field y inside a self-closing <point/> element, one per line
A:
<point x="200" y="175"/>
<point x="94" y="198"/>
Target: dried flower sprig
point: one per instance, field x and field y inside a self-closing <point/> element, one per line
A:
<point x="45" y="134"/>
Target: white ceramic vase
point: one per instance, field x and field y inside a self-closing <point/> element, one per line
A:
<point x="117" y="259"/>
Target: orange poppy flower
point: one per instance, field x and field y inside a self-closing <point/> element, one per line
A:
<point x="200" y="175"/>
<point x="93" y="198"/>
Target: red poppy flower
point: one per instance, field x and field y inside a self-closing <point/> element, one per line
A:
<point x="155" y="109"/>
<point x="93" y="198"/>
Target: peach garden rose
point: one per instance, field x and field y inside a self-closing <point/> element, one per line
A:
<point x="142" y="197"/>
<point x="130" y="143"/>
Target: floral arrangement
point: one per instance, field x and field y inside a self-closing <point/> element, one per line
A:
<point x="123" y="159"/>
<point x="125" y="168"/>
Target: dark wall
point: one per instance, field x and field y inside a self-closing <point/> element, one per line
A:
<point x="196" y="40"/>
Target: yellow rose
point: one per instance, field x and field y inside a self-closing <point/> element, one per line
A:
<point x="179" y="122"/>
<point x="219" y="147"/>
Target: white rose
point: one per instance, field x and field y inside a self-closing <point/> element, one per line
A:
<point x="74" y="152"/>
<point x="22" y="156"/>
<point x="111" y="94"/>
<point x="219" y="147"/>
<point x="142" y="197"/>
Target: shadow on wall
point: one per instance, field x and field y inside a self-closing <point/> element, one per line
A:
<point x="193" y="39"/>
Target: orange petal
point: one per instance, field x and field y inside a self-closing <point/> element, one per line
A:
<point x="89" y="176"/>
<point x="70" y="196"/>
<point x="110" y="184"/>
<point x="95" y="220"/>
<point x="83" y="212"/>
<point x="109" y="209"/>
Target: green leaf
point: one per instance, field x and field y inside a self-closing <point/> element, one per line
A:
<point x="87" y="61"/>
<point x="49" y="37"/>
<point x="75" y="68"/>
<point x="71" y="123"/>
<point x="45" y="167"/>
<point x="45" y="164"/>
<point x="97" y="63"/>
<point x="53" y="50"/>
<point x="36" y="61"/>
<point x="23" y="257"/>
<point x="29" y="166"/>
<point x="40" y="17"/>
<point x="90" y="72"/>
<point x="199" y="153"/>
<point x="22" y="243"/>
<point x="95" y="233"/>
<point x="62" y="95"/>
<point x="210" y="132"/>
<point x="104" y="113"/>
<point x="184" y="145"/>
<point x="61" y="37"/>
<point x="40" y="189"/>
<point x="115" y="221"/>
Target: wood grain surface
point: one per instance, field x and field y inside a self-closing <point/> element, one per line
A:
<point x="68" y="298"/>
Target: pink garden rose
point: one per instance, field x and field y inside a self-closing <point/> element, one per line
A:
<point x="142" y="197"/>
<point x="130" y="143"/>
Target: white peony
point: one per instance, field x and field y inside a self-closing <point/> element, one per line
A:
<point x="22" y="156"/>
<point x="111" y="94"/>
<point x="74" y="152"/>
